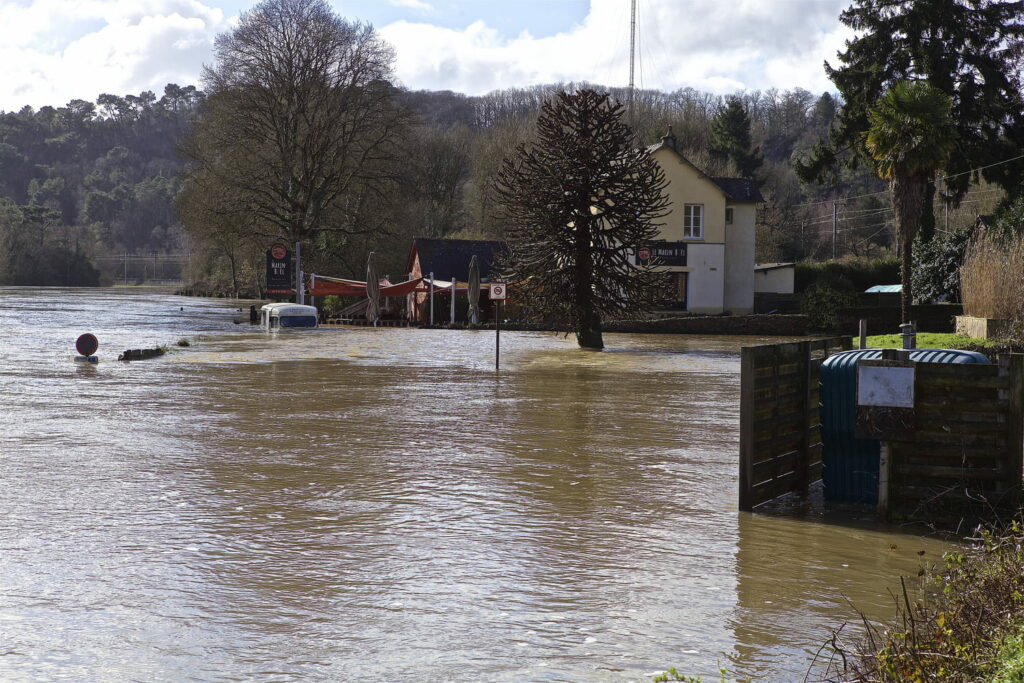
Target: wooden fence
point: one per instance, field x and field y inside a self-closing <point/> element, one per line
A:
<point x="967" y="451"/>
<point x="780" y="427"/>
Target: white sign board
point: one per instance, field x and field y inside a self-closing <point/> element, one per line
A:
<point x="886" y="387"/>
<point x="498" y="291"/>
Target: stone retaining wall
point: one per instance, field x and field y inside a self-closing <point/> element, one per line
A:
<point x="765" y="325"/>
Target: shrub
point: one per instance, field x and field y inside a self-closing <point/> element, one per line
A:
<point x="331" y="304"/>
<point x="1010" y="218"/>
<point x="821" y="304"/>
<point x="937" y="266"/>
<point x="852" y="273"/>
<point x="964" y="628"/>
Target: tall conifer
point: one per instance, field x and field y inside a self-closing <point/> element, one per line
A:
<point x="730" y="138"/>
<point x="968" y="49"/>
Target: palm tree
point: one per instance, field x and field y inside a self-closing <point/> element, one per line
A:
<point x="911" y="135"/>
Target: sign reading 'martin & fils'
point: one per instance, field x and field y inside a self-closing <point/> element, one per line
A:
<point x="662" y="254"/>
<point x="279" y="270"/>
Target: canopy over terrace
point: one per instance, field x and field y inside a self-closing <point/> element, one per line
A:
<point x="325" y="286"/>
<point x="321" y="285"/>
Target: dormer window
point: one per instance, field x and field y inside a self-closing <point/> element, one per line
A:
<point x="693" y="221"/>
<point x="728" y="215"/>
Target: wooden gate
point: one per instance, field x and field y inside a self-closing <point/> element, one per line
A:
<point x="780" y="427"/>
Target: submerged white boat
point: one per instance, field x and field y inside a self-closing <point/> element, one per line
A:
<point x="281" y="315"/>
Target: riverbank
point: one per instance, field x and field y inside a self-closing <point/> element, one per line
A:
<point x="968" y="624"/>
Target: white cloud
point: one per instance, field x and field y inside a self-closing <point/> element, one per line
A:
<point x="414" y="4"/>
<point x="57" y="50"/>
<point x="705" y="44"/>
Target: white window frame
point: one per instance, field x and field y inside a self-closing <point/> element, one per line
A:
<point x="693" y="221"/>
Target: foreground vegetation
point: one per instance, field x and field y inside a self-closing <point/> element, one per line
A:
<point x="966" y="626"/>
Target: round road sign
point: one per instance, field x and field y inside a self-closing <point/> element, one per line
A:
<point x="87" y="344"/>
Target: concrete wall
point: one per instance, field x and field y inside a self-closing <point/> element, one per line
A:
<point x="776" y="280"/>
<point x="739" y="259"/>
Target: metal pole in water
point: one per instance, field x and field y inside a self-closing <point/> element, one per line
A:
<point x="300" y="296"/>
<point x="452" y="321"/>
<point x="497" y="334"/>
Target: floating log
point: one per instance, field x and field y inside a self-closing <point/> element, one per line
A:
<point x="141" y="354"/>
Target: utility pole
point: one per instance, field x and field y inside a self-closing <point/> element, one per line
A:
<point x="300" y="295"/>
<point x="835" y="224"/>
<point x="834" y="228"/>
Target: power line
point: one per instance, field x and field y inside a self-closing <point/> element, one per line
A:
<point x="982" y="168"/>
<point x="872" y="194"/>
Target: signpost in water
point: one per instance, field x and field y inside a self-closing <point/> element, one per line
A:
<point x="86" y="345"/>
<point x="497" y="293"/>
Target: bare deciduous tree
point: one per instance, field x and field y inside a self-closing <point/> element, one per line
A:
<point x="299" y="120"/>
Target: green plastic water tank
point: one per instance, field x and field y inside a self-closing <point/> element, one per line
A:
<point x="850" y="471"/>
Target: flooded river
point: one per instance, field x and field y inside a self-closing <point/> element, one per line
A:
<point x="369" y="505"/>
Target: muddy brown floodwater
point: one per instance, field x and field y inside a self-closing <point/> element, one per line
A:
<point x="371" y="505"/>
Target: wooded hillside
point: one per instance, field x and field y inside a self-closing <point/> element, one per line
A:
<point x="84" y="184"/>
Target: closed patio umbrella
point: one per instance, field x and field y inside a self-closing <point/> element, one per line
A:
<point x="474" y="291"/>
<point x="372" y="291"/>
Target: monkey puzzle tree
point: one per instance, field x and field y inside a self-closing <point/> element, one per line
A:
<point x="910" y="135"/>
<point x="579" y="200"/>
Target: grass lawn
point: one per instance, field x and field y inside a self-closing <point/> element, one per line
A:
<point x="933" y="340"/>
<point x="1012" y="656"/>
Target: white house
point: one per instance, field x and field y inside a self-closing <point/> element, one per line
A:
<point x="706" y="244"/>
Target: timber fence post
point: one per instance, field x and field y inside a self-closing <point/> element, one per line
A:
<point x="1013" y="365"/>
<point x="803" y="461"/>
<point x="746" y="428"/>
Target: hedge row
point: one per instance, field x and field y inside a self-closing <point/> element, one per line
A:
<point x="848" y="274"/>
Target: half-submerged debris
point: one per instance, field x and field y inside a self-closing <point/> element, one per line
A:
<point x="141" y="354"/>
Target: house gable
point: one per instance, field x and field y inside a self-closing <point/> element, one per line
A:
<point x="688" y="185"/>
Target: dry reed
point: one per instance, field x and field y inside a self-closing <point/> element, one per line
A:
<point x="992" y="277"/>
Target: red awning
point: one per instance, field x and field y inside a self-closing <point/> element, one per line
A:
<point x="320" y="285"/>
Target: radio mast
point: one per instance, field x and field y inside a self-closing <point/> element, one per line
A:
<point x="632" y="47"/>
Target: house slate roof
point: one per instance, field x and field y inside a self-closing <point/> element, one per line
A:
<point x="739" y="190"/>
<point x="450" y="258"/>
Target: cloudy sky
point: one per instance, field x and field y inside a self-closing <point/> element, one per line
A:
<point x="53" y="51"/>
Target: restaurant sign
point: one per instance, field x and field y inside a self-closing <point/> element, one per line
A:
<point x="279" y="270"/>
<point x="662" y="254"/>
